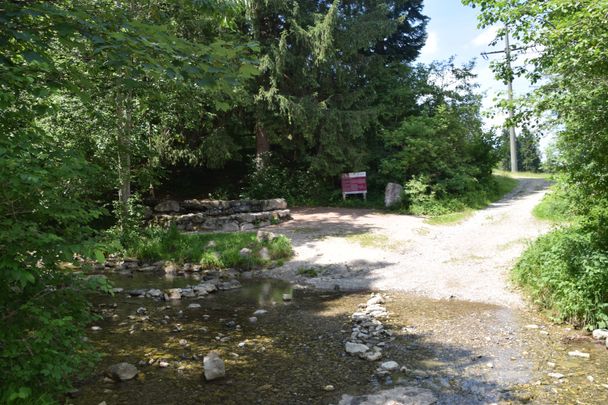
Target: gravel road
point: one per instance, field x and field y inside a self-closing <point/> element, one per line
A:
<point x="354" y="249"/>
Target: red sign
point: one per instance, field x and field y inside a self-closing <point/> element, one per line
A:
<point x="354" y="183"/>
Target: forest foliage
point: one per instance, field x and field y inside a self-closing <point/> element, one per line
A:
<point x="101" y="100"/>
<point x="565" y="271"/>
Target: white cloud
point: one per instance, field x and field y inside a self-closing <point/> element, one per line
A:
<point x="485" y="37"/>
<point x="431" y="47"/>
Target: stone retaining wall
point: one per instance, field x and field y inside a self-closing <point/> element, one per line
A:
<point x="217" y="215"/>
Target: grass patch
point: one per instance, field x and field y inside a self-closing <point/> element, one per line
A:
<point x="452" y="210"/>
<point x="450" y="219"/>
<point x="564" y="272"/>
<point x="554" y="207"/>
<point x="522" y="175"/>
<point x="374" y="240"/>
<point x="309" y="272"/>
<point x="211" y="250"/>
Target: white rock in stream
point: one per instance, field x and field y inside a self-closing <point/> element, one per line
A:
<point x="154" y="293"/>
<point x="213" y="366"/>
<point x="194" y="306"/>
<point x="372" y="356"/>
<point x="377" y="299"/>
<point x="355" y="348"/>
<point x="578" y="353"/>
<point x="260" y="312"/>
<point x="121" y="371"/>
<point x="390" y="366"/>
<point x="558" y="376"/>
<point x="600" y="334"/>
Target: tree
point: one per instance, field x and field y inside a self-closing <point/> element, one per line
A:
<point x="570" y="68"/>
<point x="444" y="143"/>
<point x="323" y="66"/>
<point x="60" y="59"/>
<point x="528" y="152"/>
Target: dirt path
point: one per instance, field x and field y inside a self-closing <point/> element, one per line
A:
<point x="363" y="249"/>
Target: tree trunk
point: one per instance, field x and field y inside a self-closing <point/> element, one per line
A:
<point x="123" y="116"/>
<point x="262" y="144"/>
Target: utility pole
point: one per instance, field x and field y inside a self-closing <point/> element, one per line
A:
<point x="512" y="136"/>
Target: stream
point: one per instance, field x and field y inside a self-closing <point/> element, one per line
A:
<point x="461" y="352"/>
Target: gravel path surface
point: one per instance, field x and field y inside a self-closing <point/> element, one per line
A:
<point x="354" y="249"/>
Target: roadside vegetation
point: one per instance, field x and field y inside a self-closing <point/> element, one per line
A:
<point x="566" y="271"/>
<point x="211" y="250"/>
<point x="453" y="209"/>
<point x="104" y="105"/>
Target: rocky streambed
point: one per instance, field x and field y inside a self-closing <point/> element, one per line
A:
<point x="282" y="344"/>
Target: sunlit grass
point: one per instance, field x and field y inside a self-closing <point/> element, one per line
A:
<point x="475" y="201"/>
<point x="554" y="207"/>
<point x="522" y="175"/>
<point x="375" y="241"/>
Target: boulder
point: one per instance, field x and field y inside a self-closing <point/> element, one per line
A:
<point x="600" y="334"/>
<point x="375" y="300"/>
<point x="167" y="206"/>
<point x="390" y="366"/>
<point x="245" y="252"/>
<point x="229" y="285"/>
<point x="355" y="348"/>
<point x="392" y="194"/>
<point x="265" y="254"/>
<point x="121" y="371"/>
<point x="154" y="293"/>
<point x="213" y="366"/>
<point x="274" y="204"/>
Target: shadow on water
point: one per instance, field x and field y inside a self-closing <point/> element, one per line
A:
<point x="293" y="350"/>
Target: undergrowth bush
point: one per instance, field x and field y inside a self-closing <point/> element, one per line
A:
<point x="555" y="207"/>
<point x="566" y="272"/>
<point x="224" y="252"/>
<point x="421" y="197"/>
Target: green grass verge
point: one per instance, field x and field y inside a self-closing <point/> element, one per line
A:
<point x="554" y="207"/>
<point x="455" y="209"/>
<point x="564" y="273"/>
<point x="522" y="175"/>
<point x="211" y="250"/>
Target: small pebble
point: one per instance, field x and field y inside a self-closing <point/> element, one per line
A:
<point x="329" y="387"/>
<point x="95" y="328"/>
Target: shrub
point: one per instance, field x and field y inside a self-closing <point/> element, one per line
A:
<point x="565" y="272"/>
<point x="170" y="244"/>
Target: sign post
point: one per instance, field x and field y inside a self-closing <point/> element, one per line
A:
<point x="354" y="183"/>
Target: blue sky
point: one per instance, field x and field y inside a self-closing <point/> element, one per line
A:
<point x="452" y="31"/>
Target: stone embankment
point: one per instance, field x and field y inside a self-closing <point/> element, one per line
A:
<point x="218" y="215"/>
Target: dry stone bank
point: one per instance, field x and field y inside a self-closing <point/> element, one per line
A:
<point x="219" y="215"/>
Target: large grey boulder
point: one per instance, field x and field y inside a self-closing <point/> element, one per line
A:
<point x="274" y="204"/>
<point x="167" y="206"/>
<point x="392" y="194"/>
<point x="213" y="366"/>
<point x="121" y="371"/>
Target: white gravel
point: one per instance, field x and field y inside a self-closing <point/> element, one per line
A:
<point x="467" y="261"/>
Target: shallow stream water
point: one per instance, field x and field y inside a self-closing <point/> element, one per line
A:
<point x="465" y="353"/>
